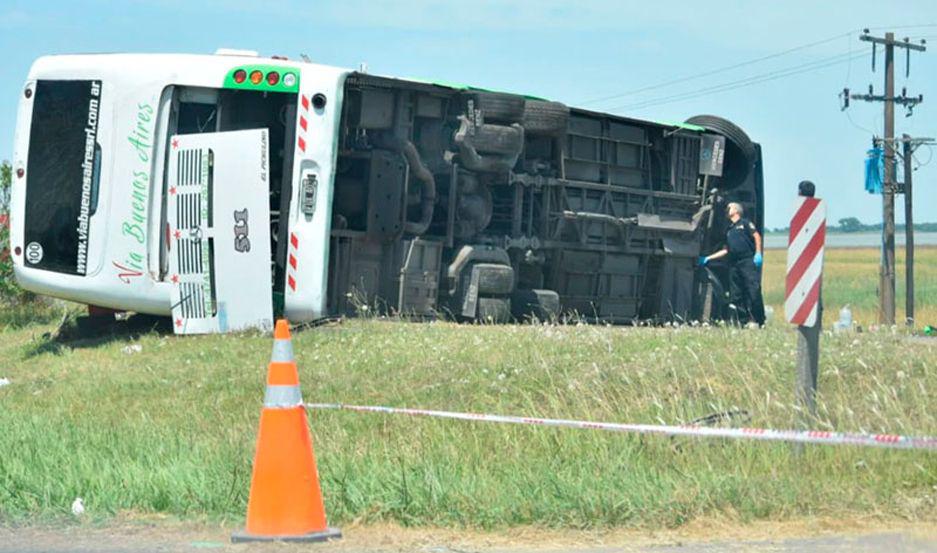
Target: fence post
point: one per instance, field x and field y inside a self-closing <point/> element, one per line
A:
<point x="808" y="360"/>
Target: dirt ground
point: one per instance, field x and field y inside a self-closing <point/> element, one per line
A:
<point x="713" y="535"/>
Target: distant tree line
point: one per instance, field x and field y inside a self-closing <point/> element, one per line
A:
<point x="9" y="292"/>
<point x="852" y="224"/>
<point x="6" y="182"/>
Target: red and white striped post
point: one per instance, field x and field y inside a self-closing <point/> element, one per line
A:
<point x="802" y="304"/>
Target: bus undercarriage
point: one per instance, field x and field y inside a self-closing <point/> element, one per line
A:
<point x="489" y="206"/>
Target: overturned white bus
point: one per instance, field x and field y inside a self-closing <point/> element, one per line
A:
<point x="225" y="190"/>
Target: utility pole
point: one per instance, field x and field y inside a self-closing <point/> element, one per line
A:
<point x="907" y="154"/>
<point x="887" y="272"/>
<point x="909" y="145"/>
<point x="887" y="278"/>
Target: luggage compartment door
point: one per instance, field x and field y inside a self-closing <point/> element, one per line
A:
<point x="218" y="231"/>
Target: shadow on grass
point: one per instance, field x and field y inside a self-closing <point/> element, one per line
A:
<point x="87" y="332"/>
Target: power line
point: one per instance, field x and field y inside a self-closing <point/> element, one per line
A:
<point x="845" y="57"/>
<point x="848" y="67"/>
<point x="746" y="63"/>
<point x="856" y="125"/>
<point x="929" y="157"/>
<point x="845" y="86"/>
<point x="921" y="26"/>
<point x="719" y="70"/>
<point x="748" y="81"/>
<point x="765" y="77"/>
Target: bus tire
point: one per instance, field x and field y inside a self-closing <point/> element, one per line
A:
<point x="542" y="305"/>
<point x="494" y="280"/>
<point x="493" y="310"/>
<point x="498" y="139"/>
<point x="497" y="106"/>
<point x="740" y="156"/>
<point x="541" y="117"/>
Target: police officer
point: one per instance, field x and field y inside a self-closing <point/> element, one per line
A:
<point x="744" y="249"/>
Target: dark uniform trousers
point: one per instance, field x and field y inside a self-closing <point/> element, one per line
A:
<point x="745" y="291"/>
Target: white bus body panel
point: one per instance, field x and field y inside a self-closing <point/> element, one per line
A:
<point x="116" y="273"/>
<point x="316" y="152"/>
<point x="121" y="266"/>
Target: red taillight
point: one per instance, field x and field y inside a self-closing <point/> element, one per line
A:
<point x="273" y="78"/>
<point x="18" y="251"/>
<point x="256" y="77"/>
<point x="240" y="76"/>
<point x="20" y="172"/>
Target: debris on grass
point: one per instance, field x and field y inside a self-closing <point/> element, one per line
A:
<point x="78" y="507"/>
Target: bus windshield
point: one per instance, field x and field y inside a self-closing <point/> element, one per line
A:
<point x="64" y="170"/>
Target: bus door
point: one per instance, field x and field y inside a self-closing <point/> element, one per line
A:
<point x="218" y="231"/>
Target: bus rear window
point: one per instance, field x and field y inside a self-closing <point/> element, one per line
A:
<point x="62" y="174"/>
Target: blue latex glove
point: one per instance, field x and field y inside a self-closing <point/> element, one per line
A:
<point x="703" y="261"/>
<point x="758" y="259"/>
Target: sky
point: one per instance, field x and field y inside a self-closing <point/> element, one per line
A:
<point x="622" y="57"/>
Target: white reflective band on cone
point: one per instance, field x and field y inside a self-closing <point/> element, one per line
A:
<point x="282" y="397"/>
<point x="282" y="351"/>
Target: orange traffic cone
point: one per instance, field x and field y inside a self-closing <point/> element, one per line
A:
<point x="285" y="501"/>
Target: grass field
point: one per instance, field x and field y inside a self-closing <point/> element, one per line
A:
<point x="850" y="277"/>
<point x="170" y="429"/>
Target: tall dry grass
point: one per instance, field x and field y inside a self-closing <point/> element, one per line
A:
<point x="851" y="277"/>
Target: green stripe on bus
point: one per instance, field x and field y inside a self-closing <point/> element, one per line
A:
<point x="687" y="126"/>
<point x="467" y="87"/>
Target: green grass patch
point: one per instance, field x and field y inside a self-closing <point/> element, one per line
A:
<point x="171" y="429"/>
<point x="29" y="313"/>
<point x="851" y="276"/>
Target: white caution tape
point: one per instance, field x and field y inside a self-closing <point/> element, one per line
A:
<point x="892" y="441"/>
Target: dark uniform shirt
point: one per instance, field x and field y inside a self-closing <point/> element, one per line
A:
<point x="740" y="239"/>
